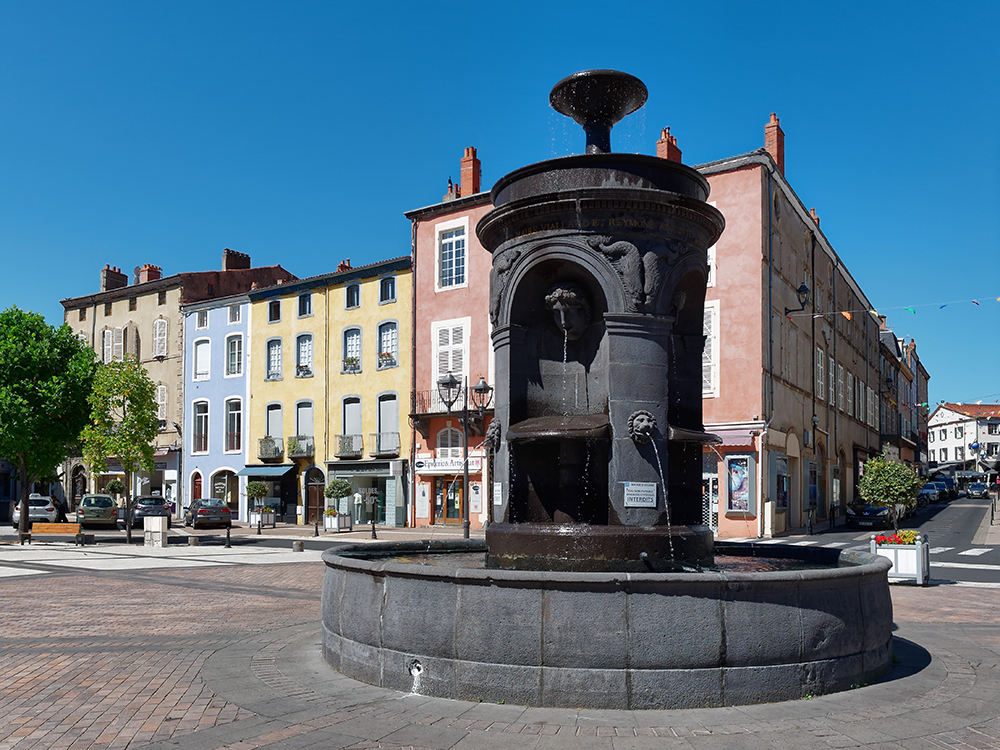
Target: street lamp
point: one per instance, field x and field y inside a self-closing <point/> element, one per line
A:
<point x="803" y="294"/>
<point x="482" y="394"/>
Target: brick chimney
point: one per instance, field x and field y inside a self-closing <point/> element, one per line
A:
<point x="882" y="322"/>
<point x="814" y="215"/>
<point x="452" y="193"/>
<point x="232" y="260"/>
<point x="666" y="147"/>
<point x="344" y="265"/>
<point x="149" y="272"/>
<point x="774" y="142"/>
<point x="112" y="278"/>
<point x="471" y="173"/>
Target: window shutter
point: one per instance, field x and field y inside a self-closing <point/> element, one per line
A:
<point x="710" y="354"/>
<point x="107" y="337"/>
<point x="820" y="380"/>
<point x="160" y="338"/>
<point x="132" y="340"/>
<point x="161" y="403"/>
<point x="833" y="383"/>
<point x="840" y="387"/>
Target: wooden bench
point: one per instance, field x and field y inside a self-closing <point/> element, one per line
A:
<point x="61" y="529"/>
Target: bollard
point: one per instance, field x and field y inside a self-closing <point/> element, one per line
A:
<point x="260" y="517"/>
<point x="316" y="529"/>
<point x="228" y="545"/>
<point x="298" y="546"/>
<point x="193" y="541"/>
<point x="374" y="535"/>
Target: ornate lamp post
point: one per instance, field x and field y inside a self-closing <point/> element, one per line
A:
<point x="448" y="389"/>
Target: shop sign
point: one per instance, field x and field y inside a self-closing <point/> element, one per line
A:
<point x="447" y="465"/>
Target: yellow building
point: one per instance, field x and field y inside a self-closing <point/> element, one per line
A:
<point x="329" y="371"/>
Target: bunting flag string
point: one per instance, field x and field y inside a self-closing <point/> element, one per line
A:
<point x="849" y="314"/>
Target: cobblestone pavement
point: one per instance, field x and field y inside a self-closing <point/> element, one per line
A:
<point x="226" y="656"/>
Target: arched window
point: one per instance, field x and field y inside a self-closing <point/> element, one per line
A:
<point x="388" y="345"/>
<point x="449" y="443"/>
<point x="200" y="436"/>
<point x="304" y="356"/>
<point x="387" y="289"/>
<point x="234" y="425"/>
<point x="273" y="360"/>
<point x="196" y="486"/>
<point x="352" y="350"/>
<point x="160" y="338"/>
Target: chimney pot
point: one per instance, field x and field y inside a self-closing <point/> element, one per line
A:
<point x="812" y="213"/>
<point x="666" y="147"/>
<point x="774" y="142"/>
<point x="471" y="173"/>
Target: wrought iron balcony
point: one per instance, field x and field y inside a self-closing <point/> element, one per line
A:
<point x="234" y="441"/>
<point x="300" y="446"/>
<point x="350" y="446"/>
<point x="270" y="447"/>
<point x="429" y="402"/>
<point x="384" y="444"/>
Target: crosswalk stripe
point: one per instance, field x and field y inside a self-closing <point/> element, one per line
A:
<point x="805" y="543"/>
<point x="837" y="544"/>
<point x="966" y="566"/>
<point x="976" y="551"/>
<point x="936" y="550"/>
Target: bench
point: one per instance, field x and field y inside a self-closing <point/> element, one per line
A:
<point x="61" y="529"/>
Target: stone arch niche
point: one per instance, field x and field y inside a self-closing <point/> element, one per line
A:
<point x="628" y="233"/>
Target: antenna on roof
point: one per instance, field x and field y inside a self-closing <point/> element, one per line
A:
<point x="135" y="275"/>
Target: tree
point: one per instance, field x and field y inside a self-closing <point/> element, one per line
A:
<point x="337" y="489"/>
<point x="123" y="423"/>
<point x="45" y="377"/>
<point x="888" y="484"/>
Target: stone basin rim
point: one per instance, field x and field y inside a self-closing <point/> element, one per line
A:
<point x="860" y="564"/>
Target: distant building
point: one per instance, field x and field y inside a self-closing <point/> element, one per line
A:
<point x="964" y="438"/>
<point x="144" y="320"/>
<point x="330" y="365"/>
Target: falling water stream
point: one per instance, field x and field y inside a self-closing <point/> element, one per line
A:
<point x="666" y="500"/>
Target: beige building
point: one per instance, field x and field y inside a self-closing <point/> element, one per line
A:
<point x="143" y="320"/>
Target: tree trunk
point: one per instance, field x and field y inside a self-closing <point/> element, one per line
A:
<point x="22" y="473"/>
<point x="128" y="504"/>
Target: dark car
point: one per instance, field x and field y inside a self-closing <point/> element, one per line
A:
<point x="149" y="506"/>
<point x="942" y="489"/>
<point x="208" y="511"/>
<point x="978" y="489"/>
<point x="865" y="516"/>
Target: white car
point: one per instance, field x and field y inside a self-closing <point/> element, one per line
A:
<point x="40" y="508"/>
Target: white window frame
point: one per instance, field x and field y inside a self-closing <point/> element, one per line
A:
<point x="226" y="413"/>
<point x="711" y="357"/>
<point x="270" y="371"/>
<point x="201" y="320"/>
<point x="831" y="373"/>
<point x="463" y="368"/>
<point x="871" y="407"/>
<point x="160" y="328"/>
<point x="382" y="284"/>
<point x="305" y="297"/>
<point x="347" y="296"/>
<point x="304" y="369"/>
<point x="235" y="314"/>
<point x="194" y="426"/>
<point x="119" y="345"/>
<point x="453" y="449"/>
<point x="197" y="346"/>
<point x="107" y="345"/>
<point x="236" y="338"/>
<point x="393" y="344"/>
<point x="840" y="387"/>
<point x="439" y="230"/>
<point x="849" y="395"/>
<point x="820" y="378"/>
<point x="162" y="395"/>
<point x="351" y="336"/>
<point x="710" y="263"/>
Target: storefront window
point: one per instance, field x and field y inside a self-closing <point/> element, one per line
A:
<point x="448" y="498"/>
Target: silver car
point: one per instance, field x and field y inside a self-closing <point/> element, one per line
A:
<point x="40" y="508"/>
<point x="97" y="509"/>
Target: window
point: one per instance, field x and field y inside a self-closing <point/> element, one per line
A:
<point x="200" y="427"/>
<point x="305" y="305"/>
<point x="932" y="453"/>
<point x="274" y="311"/>
<point x="106" y="342"/>
<point x="201" y="319"/>
<point x="710" y="354"/>
<point x="959" y="431"/>
<point x="450" y="339"/>
<point x="234" y="355"/>
<point x="202" y="353"/>
<point x="388" y="345"/>
<point x="930" y="437"/>
<point x="304" y="356"/>
<point x="849" y="394"/>
<point x="830" y="374"/>
<point x="992" y="449"/>
<point x="871" y="407"/>
<point x="304" y="418"/>
<point x="132" y="304"/>
<point x="161" y="404"/>
<point x="451" y="258"/>
<point x="353" y="298"/>
<point x="274" y="426"/>
<point x="273" y="360"/>
<point x="161" y="298"/>
<point x="118" y="351"/>
<point x="387" y="438"/>
<point x="83" y="313"/>
<point x="352" y="350"/>
<point x="234" y="313"/>
<point x="820" y="380"/>
<point x="993" y="428"/>
<point x="960" y="454"/>
<point x="387" y="289"/>
<point x="234" y="425"/>
<point x="107" y="309"/>
<point x="160" y="338"/>
<point x="710" y="275"/>
<point x="449" y="443"/>
<point x="944" y="454"/>
<point x="840" y="387"/>
<point x="943" y="434"/>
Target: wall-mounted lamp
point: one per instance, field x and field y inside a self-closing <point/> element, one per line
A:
<point x="803" y="294"/>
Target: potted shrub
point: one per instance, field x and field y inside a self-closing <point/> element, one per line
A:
<point x="351" y="364"/>
<point x="909" y="553"/>
<point x="333" y="519"/>
<point x="116" y="487"/>
<point x="889" y="484"/>
<point x="386" y="359"/>
<point x="265" y="516"/>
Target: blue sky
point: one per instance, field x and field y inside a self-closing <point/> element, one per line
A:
<point x="299" y="132"/>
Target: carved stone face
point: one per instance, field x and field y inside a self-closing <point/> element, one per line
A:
<point x="570" y="309"/>
<point x="641" y="425"/>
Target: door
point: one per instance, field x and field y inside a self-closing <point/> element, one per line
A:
<point x="448" y="499"/>
<point x="314" y="503"/>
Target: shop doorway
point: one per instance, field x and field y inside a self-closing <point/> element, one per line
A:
<point x="225" y="486"/>
<point x="314" y="496"/>
<point x="448" y="500"/>
<point x="196" y="486"/>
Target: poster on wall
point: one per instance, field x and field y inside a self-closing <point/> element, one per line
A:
<point x="476" y="503"/>
<point x="423" y="502"/>
<point x="781" y="484"/>
<point x="740" y="492"/>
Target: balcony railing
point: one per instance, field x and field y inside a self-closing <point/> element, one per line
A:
<point x="350" y="446"/>
<point x="384" y="444"/>
<point x="300" y="446"/>
<point x="200" y="443"/>
<point x="234" y="441"/>
<point x="429" y="402"/>
<point x="269" y="447"/>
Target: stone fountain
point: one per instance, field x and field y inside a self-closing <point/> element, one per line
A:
<point x="597" y="587"/>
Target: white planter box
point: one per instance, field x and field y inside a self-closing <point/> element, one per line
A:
<point x="909" y="561"/>
<point x="263" y="519"/>
<point x="339" y="522"/>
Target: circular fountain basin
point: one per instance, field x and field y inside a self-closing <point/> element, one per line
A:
<point x="606" y="640"/>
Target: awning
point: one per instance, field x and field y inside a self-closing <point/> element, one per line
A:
<point x="734" y="437"/>
<point x="277" y="470"/>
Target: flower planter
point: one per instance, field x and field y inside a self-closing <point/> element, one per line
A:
<point x="909" y="561"/>
<point x="269" y="518"/>
<point x="339" y="522"/>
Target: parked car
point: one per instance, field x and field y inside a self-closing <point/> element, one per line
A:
<point x="951" y="490"/>
<point x="149" y="506"/>
<point x="40" y="508"/>
<point x="978" y="489"/>
<point x="928" y="494"/>
<point x="209" y="511"/>
<point x="942" y="489"/>
<point x="866" y="516"/>
<point x="97" y="509"/>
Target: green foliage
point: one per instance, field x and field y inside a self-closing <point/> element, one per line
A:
<point x="115" y="486"/>
<point x="45" y="376"/>
<point x="256" y="490"/>
<point x="337" y="489"/>
<point x="889" y="483"/>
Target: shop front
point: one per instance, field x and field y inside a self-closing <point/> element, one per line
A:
<point x="282" y="490"/>
<point x="440" y="497"/>
<point x="162" y="480"/>
<point x="378" y="491"/>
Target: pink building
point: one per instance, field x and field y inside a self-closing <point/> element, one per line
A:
<point x="451" y="334"/>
